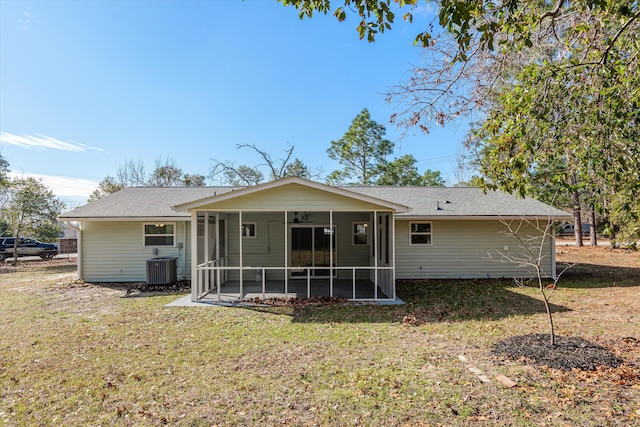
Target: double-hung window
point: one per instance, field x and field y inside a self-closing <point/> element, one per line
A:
<point x="159" y="234"/>
<point x="420" y="233"/>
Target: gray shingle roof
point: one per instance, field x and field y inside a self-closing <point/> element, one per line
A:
<point x="460" y="202"/>
<point x="143" y="202"/>
<point x="156" y="202"/>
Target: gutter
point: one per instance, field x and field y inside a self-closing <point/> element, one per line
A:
<point x="478" y="217"/>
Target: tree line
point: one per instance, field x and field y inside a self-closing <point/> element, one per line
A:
<point x="363" y="152"/>
<point x="553" y="88"/>
<point x="27" y="207"/>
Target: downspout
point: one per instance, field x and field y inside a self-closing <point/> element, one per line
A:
<point x="79" y="246"/>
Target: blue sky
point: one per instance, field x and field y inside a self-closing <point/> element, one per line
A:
<point x="88" y="85"/>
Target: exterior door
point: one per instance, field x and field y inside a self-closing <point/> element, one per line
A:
<point x="315" y="247"/>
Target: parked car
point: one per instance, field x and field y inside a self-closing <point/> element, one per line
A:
<point x="27" y="247"/>
<point x="568" y="230"/>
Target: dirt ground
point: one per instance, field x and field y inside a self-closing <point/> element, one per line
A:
<point x="599" y="255"/>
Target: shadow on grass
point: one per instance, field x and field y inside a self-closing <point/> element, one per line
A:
<point x="591" y="276"/>
<point x="430" y="301"/>
<point x="35" y="266"/>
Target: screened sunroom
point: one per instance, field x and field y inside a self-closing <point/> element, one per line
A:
<point x="292" y="239"/>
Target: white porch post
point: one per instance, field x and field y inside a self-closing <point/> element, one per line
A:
<point x="376" y="228"/>
<point x="194" y="256"/>
<point x="331" y="237"/>
<point x="393" y="254"/>
<point x="207" y="273"/>
<point x="286" y="250"/>
<point x="240" y="243"/>
<point x="206" y="236"/>
<point x="218" y="263"/>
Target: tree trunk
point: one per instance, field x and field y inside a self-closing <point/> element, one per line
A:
<point x="15" y="246"/>
<point x="577" y="221"/>
<point x="547" y="306"/>
<point x="592" y="227"/>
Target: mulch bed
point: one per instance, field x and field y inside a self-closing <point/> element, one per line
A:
<point x="567" y="354"/>
<point x="141" y="288"/>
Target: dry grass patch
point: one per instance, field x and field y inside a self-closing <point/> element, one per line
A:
<point x="83" y="354"/>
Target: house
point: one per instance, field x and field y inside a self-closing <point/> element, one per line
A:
<point x="68" y="240"/>
<point x="294" y="237"/>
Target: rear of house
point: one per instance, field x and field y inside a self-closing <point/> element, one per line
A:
<point x="299" y="238"/>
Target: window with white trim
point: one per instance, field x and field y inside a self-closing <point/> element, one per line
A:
<point x="360" y="233"/>
<point x="159" y="234"/>
<point x="419" y="233"/>
<point x="249" y="230"/>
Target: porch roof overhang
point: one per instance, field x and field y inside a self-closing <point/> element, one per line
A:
<point x="124" y="218"/>
<point x="260" y="197"/>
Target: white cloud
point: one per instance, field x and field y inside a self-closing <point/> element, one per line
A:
<point x="25" y="21"/>
<point x="43" y="142"/>
<point x="62" y="186"/>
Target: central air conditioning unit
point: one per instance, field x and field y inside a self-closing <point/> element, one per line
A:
<point x="162" y="270"/>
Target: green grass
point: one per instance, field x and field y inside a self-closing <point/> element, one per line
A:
<point x="73" y="354"/>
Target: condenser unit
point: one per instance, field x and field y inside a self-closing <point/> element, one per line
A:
<point x="162" y="270"/>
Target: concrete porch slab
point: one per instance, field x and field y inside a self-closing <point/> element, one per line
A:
<point x="185" y="301"/>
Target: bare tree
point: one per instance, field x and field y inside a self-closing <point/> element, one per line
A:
<point x="131" y="173"/>
<point x="251" y="175"/>
<point x="277" y="168"/>
<point x="532" y="236"/>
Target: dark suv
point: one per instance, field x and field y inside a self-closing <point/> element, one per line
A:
<point x="568" y="230"/>
<point x="27" y="247"/>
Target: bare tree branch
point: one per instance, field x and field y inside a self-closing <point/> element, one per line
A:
<point x="532" y="236"/>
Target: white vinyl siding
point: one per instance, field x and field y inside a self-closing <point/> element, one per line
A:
<point x="348" y="253"/>
<point x="463" y="250"/>
<point x="291" y="198"/>
<point x="265" y="250"/>
<point x="114" y="251"/>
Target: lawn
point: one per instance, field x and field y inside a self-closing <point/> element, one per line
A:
<point x="85" y="354"/>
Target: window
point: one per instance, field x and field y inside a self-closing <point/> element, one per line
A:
<point x="420" y="233"/>
<point x="360" y="233"/>
<point x="249" y="230"/>
<point x="159" y="234"/>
